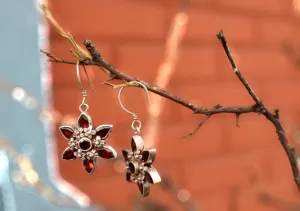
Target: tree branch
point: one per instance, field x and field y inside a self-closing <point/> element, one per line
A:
<point x="94" y="58"/>
<point x="274" y="118"/>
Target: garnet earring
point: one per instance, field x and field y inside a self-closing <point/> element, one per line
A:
<point x="86" y="143"/>
<point x="138" y="160"/>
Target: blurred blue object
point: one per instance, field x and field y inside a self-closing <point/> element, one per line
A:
<point x="20" y="66"/>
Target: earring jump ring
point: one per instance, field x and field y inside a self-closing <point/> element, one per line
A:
<point x="83" y="107"/>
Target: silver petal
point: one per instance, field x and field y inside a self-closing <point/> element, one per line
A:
<point x="125" y="153"/>
<point x="103" y="131"/>
<point x="144" y="188"/>
<point x="137" y="143"/>
<point x="148" y="156"/>
<point x="152" y="176"/>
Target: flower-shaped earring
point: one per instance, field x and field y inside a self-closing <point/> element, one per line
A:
<point x="139" y="161"/>
<point x="86" y="143"/>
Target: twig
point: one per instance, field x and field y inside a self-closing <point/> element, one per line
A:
<point x="198" y="126"/>
<point x="277" y="203"/>
<point x="223" y="41"/>
<point x="262" y="195"/>
<point x="237" y="118"/>
<point x="56" y="59"/>
<point x="158" y="90"/>
<point x="263" y="110"/>
<point x="169" y="185"/>
<point x="258" y="107"/>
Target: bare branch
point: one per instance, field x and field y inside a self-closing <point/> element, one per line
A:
<point x="263" y="110"/>
<point x="94" y="58"/>
<point x="223" y="41"/>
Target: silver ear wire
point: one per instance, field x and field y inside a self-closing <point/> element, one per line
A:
<point x="136" y="124"/>
<point x="83" y="90"/>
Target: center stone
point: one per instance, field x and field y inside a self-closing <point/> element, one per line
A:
<point x="85" y="144"/>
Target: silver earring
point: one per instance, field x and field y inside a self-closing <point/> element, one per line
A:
<point x="86" y="143"/>
<point x="138" y="160"/>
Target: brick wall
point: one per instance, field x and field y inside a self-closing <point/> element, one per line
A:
<point x="130" y="34"/>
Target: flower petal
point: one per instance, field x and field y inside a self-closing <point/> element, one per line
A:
<point x="133" y="167"/>
<point x="125" y="153"/>
<point x="84" y="120"/>
<point x="68" y="154"/>
<point x="137" y="143"/>
<point x="148" y="156"/>
<point x="152" y="176"/>
<point x="103" y="131"/>
<point x="67" y="131"/>
<point x="89" y="166"/>
<point x="107" y="152"/>
<point x="144" y="188"/>
<point x="128" y="175"/>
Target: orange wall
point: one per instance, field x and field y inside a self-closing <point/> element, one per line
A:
<point x="130" y="34"/>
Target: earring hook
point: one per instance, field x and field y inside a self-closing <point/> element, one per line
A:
<point x="119" y="98"/>
<point x="83" y="90"/>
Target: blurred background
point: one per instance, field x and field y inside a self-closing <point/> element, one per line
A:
<point x="171" y="43"/>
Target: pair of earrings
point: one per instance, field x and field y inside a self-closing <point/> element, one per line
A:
<point x="87" y="144"/>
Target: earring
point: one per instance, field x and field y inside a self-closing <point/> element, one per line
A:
<point x="86" y="143"/>
<point x="139" y="161"/>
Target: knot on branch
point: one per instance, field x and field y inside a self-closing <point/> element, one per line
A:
<point x="96" y="56"/>
<point x="218" y="106"/>
<point x="276" y="113"/>
<point x="260" y="109"/>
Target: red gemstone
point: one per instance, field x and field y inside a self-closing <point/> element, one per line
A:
<point x="85" y="144"/>
<point x="133" y="145"/>
<point x="148" y="177"/>
<point x="67" y="132"/>
<point x="131" y="167"/>
<point x="128" y="174"/>
<point x="68" y="154"/>
<point x="89" y="166"/>
<point x="83" y="121"/>
<point x="106" y="153"/>
<point x="145" y="156"/>
<point x="103" y="132"/>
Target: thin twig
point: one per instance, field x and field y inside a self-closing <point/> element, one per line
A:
<point x="274" y="118"/>
<point x="223" y="41"/>
<point x="198" y="126"/>
<point x="170" y="186"/>
<point x="237" y="118"/>
<point x="277" y="203"/>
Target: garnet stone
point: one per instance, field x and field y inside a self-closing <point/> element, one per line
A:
<point x="106" y="153"/>
<point x="85" y="144"/>
<point x="83" y="121"/>
<point x="68" y="154"/>
<point x="89" y="166"/>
